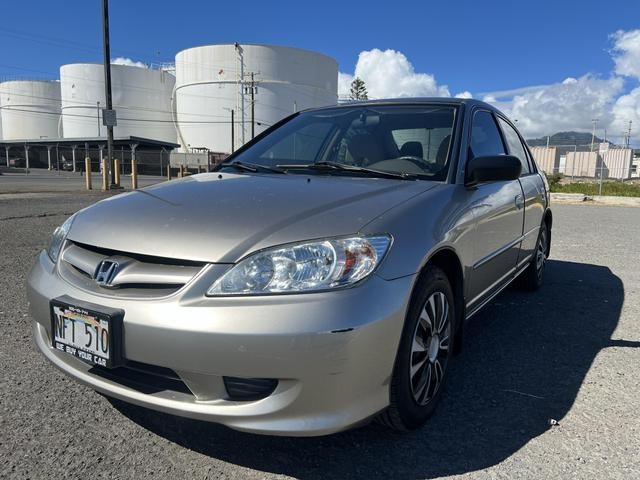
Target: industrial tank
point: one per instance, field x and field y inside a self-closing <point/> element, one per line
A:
<point x="214" y="80"/>
<point x="140" y="96"/>
<point x="30" y="109"/>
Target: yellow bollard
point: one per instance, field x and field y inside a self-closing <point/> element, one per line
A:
<point x="105" y="175"/>
<point x="134" y="174"/>
<point x="168" y="172"/>
<point x="116" y="169"/>
<point x="87" y="172"/>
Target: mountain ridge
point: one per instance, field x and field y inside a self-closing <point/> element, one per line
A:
<point x="564" y="138"/>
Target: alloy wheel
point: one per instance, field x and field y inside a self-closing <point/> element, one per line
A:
<point x="541" y="252"/>
<point x="430" y="348"/>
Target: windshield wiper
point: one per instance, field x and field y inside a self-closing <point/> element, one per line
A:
<point x="251" y="167"/>
<point x="335" y="166"/>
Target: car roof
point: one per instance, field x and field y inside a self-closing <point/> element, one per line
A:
<point x="411" y="101"/>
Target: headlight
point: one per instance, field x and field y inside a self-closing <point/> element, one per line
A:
<point x="304" y="267"/>
<point x="57" y="239"/>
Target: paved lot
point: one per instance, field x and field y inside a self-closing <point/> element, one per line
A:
<point x="570" y="352"/>
<point x="42" y="180"/>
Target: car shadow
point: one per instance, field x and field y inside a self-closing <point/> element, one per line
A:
<point x="524" y="359"/>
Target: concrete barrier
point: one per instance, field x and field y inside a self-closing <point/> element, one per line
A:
<point x="575" y="198"/>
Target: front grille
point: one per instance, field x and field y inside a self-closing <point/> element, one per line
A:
<point x="136" y="273"/>
<point x="144" y="378"/>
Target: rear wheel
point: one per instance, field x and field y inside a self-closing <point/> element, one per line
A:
<point x="424" y="353"/>
<point x="531" y="278"/>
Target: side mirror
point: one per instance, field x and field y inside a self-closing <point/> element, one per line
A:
<point x="492" y="168"/>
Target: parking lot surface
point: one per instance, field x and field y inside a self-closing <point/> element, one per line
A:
<point x="42" y="180"/>
<point x="546" y="386"/>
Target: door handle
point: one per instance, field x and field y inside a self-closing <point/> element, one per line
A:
<point x="519" y="201"/>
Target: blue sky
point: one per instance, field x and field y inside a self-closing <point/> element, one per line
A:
<point x="465" y="45"/>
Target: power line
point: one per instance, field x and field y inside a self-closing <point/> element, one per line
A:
<point x="92" y="105"/>
<point x="151" y="120"/>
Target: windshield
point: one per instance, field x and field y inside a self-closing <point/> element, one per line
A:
<point x="408" y="140"/>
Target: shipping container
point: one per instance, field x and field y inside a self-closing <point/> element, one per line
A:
<point x="547" y="158"/>
<point x="617" y="162"/>
<point x="584" y="164"/>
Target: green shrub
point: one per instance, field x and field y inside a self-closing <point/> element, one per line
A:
<point x="554" y="180"/>
<point x="618" y="189"/>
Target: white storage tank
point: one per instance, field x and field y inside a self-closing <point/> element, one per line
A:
<point x="140" y="96"/>
<point x="213" y="80"/>
<point x="30" y="109"/>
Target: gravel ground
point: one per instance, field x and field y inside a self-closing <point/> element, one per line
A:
<point x="570" y="352"/>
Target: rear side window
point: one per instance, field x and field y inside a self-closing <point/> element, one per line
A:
<point x="485" y="137"/>
<point x="515" y="145"/>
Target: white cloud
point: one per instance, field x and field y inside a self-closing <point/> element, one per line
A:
<point x="344" y="84"/>
<point x="128" y="61"/>
<point x="567" y="105"/>
<point x="626" y="53"/>
<point x="541" y="110"/>
<point x="389" y="74"/>
<point x="626" y="108"/>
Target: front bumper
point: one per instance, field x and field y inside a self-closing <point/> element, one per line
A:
<point x="332" y="353"/>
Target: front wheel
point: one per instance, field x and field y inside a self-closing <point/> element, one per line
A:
<point x="424" y="353"/>
<point x="531" y="278"/>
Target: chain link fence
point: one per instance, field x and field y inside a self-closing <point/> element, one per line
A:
<point x="580" y="162"/>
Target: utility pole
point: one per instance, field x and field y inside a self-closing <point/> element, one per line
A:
<point x="107" y="91"/>
<point x="593" y="132"/>
<point x="232" y="131"/>
<point x="628" y="142"/>
<point x="253" y="110"/>
<point x="239" y="90"/>
<point x="251" y="89"/>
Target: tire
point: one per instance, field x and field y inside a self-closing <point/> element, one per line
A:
<point x="421" y="369"/>
<point x="532" y="278"/>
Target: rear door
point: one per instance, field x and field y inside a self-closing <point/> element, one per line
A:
<point x="533" y="191"/>
<point x="498" y="212"/>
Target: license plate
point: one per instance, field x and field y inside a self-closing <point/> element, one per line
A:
<point x="85" y="333"/>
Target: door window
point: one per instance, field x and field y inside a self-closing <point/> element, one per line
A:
<point x="485" y="137"/>
<point x="515" y="145"/>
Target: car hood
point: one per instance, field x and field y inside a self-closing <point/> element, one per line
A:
<point x="220" y="218"/>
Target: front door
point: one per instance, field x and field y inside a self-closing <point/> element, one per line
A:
<point x="533" y="191"/>
<point x="498" y="209"/>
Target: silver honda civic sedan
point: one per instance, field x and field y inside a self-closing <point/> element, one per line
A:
<point x="319" y="278"/>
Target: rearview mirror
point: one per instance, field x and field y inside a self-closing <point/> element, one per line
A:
<point x="492" y="168"/>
